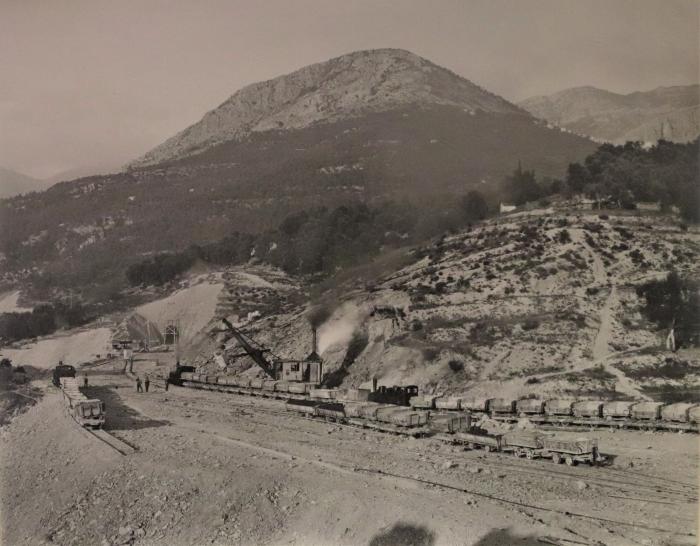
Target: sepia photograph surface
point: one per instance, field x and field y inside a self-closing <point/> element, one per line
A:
<point x="339" y="273"/>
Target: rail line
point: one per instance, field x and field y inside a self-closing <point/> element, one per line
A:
<point x="115" y="443"/>
<point x="682" y="493"/>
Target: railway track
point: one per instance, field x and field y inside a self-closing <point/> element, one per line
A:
<point x="653" y="488"/>
<point x="115" y="443"/>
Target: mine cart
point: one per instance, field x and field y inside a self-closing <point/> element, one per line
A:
<point x="243" y="382"/>
<point x="402" y="416"/>
<point x="370" y="411"/>
<point x="475" y="440"/>
<point x="523" y="443"/>
<point x="588" y="408"/>
<point x="450" y="423"/>
<point x="282" y="386"/>
<point x="305" y="407"/>
<point x="299" y="388"/>
<point x="530" y="406"/>
<point x="694" y="414"/>
<point x="327" y="394"/>
<point x="677" y="413"/>
<point x="62" y="370"/>
<point x="256" y="383"/>
<point x="448" y="403"/>
<point x="647" y="411"/>
<point x="330" y="410"/>
<point x="186" y="376"/>
<point x="617" y="410"/>
<point x="354" y="409"/>
<point x="269" y="385"/>
<point x="501" y="405"/>
<point x="472" y="404"/>
<point x="558" y="407"/>
<point x="581" y="450"/>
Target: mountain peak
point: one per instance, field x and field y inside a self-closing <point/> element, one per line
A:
<point x="343" y="87"/>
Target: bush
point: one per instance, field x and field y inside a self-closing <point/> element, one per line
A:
<point x="430" y="354"/>
<point x="531" y="324"/>
<point x="456" y="365"/>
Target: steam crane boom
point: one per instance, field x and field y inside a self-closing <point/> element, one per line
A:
<point x="254" y="353"/>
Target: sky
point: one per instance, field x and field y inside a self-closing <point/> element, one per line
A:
<point x="91" y="85"/>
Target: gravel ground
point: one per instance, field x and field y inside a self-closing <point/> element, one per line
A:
<point x="212" y="468"/>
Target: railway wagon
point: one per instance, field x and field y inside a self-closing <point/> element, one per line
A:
<point x="423" y="401"/>
<point x="475" y="404"/>
<point x="242" y="382"/>
<point x="694" y="414"/>
<point x="256" y="383"/>
<point x="559" y="406"/>
<point x="402" y="416"/>
<point x="299" y="388"/>
<point x="448" y="403"/>
<point x="451" y="422"/>
<point x="62" y="370"/>
<point x="475" y="440"/>
<point x="588" y="408"/>
<point x="323" y="394"/>
<point x="572" y="452"/>
<point x="354" y="409"/>
<point x="676" y="413"/>
<point x="304" y="407"/>
<point x="330" y="410"/>
<point x="530" y="406"/>
<point x="646" y="411"/>
<point x="86" y="412"/>
<point x="617" y="410"/>
<point x="522" y="443"/>
<point x="501" y="405"/>
<point x="269" y="385"/>
<point x="369" y="412"/>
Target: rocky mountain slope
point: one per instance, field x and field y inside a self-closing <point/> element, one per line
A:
<point x="378" y="125"/>
<point x="541" y="304"/>
<point x="13" y="183"/>
<point x="341" y="88"/>
<point x="670" y="113"/>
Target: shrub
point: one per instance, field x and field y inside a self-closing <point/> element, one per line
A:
<point x="531" y="324"/>
<point x="456" y="365"/>
<point x="430" y="354"/>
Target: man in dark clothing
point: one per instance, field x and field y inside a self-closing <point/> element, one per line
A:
<point x="167" y="382"/>
<point x="138" y="384"/>
<point x="147" y="383"/>
<point x="85" y="381"/>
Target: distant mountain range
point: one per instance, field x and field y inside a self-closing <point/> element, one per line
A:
<point x="670" y="113"/>
<point x="368" y="126"/>
<point x="13" y="183"/>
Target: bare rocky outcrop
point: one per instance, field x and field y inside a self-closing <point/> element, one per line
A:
<point x="344" y="87"/>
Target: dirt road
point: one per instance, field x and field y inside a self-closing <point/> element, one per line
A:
<point x="212" y="468"/>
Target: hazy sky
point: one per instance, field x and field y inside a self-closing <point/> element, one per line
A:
<point x="98" y="83"/>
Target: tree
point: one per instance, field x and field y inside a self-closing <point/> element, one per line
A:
<point x="522" y="186"/>
<point x="474" y="206"/>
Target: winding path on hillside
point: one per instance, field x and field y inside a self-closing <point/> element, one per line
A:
<point x="601" y="343"/>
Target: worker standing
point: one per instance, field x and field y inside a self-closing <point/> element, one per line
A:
<point x="167" y="382"/>
<point x="85" y="380"/>
<point x="138" y="384"/>
<point x="147" y="382"/>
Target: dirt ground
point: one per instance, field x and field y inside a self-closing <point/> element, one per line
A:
<point x="213" y="468"/>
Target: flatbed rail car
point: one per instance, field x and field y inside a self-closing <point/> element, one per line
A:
<point x="532" y="445"/>
<point x="86" y="412"/>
